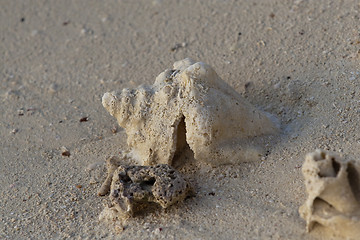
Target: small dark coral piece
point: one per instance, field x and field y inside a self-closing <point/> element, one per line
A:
<point x="84" y="119"/>
<point x="135" y="186"/>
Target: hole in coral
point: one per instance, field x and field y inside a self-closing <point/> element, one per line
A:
<point x="354" y="180"/>
<point x="124" y="178"/>
<point x="180" y="137"/>
<point x="335" y="165"/>
<point x="147" y="185"/>
<point x="183" y="151"/>
<point x="151" y="181"/>
<point x="321" y="205"/>
<point x="329" y="168"/>
<point x="115" y="193"/>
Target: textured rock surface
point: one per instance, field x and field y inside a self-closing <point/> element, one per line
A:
<point x="135" y="187"/>
<point x="333" y="187"/>
<point x="188" y="104"/>
<point x="112" y="163"/>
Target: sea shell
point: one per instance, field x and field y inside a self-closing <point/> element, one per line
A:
<point x="189" y="104"/>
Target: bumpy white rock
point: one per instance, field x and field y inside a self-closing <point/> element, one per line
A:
<point x="188" y="104"/>
<point x="333" y="187"/>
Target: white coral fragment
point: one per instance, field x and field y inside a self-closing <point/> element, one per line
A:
<point x="188" y="104"/>
<point x="333" y="187"/>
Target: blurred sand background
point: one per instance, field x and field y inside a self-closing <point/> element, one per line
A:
<point x="299" y="60"/>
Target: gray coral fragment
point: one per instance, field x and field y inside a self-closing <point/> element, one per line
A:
<point x="135" y="187"/>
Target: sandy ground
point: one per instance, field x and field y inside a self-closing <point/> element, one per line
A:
<point x="298" y="60"/>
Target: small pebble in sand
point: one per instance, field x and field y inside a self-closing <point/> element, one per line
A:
<point x="65" y="152"/>
<point x="15" y="130"/>
<point x="84" y="119"/>
<point x="53" y="88"/>
<point x="20" y="112"/>
<point x="178" y="46"/>
<point x="114" y="129"/>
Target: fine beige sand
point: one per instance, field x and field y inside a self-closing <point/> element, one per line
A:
<point x="298" y="60"/>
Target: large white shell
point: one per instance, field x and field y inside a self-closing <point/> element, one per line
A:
<point x="188" y="104"/>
